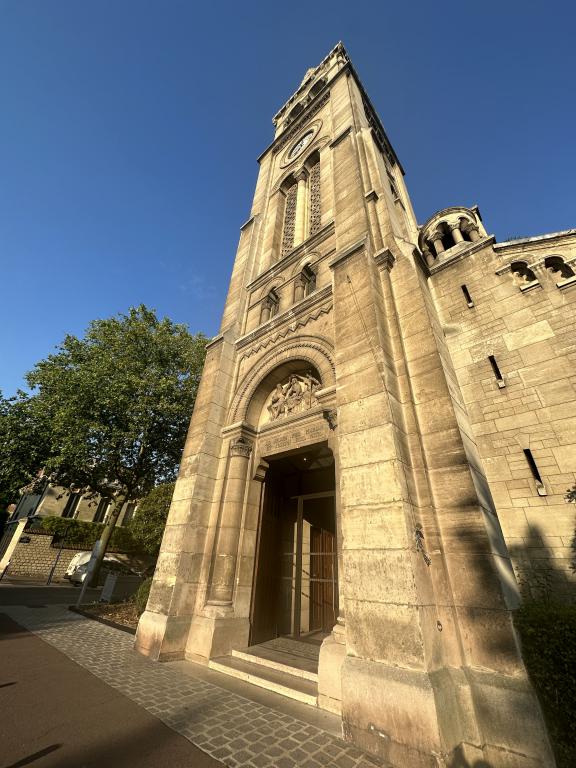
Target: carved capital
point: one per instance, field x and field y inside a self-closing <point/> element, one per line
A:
<point x="301" y="175"/>
<point x="331" y="417"/>
<point x="454" y="226"/>
<point x="241" y="447"/>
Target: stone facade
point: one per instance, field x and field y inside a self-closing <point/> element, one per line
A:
<point x="350" y="470"/>
<point x="58" y="502"/>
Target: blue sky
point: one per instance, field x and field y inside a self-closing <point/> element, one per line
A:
<point x="129" y="132"/>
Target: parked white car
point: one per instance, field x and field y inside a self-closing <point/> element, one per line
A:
<point x="78" y="567"/>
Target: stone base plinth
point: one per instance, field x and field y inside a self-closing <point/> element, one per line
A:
<point x="161" y="637"/>
<point x="213" y="636"/>
<point x="410" y="717"/>
<point x="332" y="655"/>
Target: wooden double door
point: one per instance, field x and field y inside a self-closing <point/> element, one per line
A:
<point x="296" y="586"/>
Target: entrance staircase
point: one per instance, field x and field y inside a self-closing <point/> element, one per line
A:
<point x="283" y="665"/>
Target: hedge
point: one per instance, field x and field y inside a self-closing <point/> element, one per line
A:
<point x="81" y="534"/>
<point x="548" y="634"/>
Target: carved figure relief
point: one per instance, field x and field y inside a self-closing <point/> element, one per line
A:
<point x="295" y="395"/>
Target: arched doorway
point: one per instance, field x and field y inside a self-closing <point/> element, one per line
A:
<point x="295" y="590"/>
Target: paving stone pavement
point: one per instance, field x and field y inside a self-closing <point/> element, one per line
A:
<point x="225" y="725"/>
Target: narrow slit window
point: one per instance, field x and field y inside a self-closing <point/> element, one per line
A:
<point x="467" y="296"/>
<point x="497" y="374"/>
<point x="540" y="487"/>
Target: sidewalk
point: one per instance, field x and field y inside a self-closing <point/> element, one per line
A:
<point x="55" y="714"/>
<point x="224" y="724"/>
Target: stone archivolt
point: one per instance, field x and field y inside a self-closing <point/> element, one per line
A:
<point x="315" y="352"/>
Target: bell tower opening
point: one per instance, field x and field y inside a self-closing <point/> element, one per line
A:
<point x="296" y="580"/>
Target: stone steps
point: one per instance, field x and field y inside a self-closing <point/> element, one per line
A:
<point x="265" y="673"/>
<point x="281" y="662"/>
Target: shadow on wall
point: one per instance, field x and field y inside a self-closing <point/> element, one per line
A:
<point x="541" y="576"/>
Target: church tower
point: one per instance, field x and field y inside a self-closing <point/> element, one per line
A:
<point x="330" y="489"/>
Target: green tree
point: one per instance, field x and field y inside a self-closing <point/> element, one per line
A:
<point x="148" y="524"/>
<point x="118" y="402"/>
<point x="24" y="437"/>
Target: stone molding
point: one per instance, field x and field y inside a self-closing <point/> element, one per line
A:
<point x="293" y="313"/>
<point x="287" y="331"/>
<point x="296" y="253"/>
<point x="341" y="136"/>
<point x="462" y="251"/>
<point x="347" y="252"/>
<point x="384" y="259"/>
<point x="251" y="220"/>
<point x="215" y="340"/>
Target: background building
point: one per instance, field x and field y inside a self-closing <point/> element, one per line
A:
<point x="384" y="406"/>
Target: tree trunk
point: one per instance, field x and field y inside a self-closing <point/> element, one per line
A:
<point x="105" y="538"/>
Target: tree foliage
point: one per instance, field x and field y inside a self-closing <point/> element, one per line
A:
<point x="112" y="408"/>
<point x="148" y="524"/>
<point x="118" y="402"/>
<point x="24" y="437"/>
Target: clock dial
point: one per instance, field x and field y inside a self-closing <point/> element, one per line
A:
<point x="300" y="144"/>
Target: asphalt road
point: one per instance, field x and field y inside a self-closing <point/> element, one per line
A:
<point x="55" y="714"/>
<point x="32" y="595"/>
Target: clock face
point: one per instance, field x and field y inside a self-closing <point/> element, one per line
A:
<point x="300" y="144"/>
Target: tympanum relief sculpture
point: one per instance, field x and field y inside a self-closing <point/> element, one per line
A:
<point x="293" y="396"/>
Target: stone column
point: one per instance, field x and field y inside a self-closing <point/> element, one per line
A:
<point x="226" y="545"/>
<point x="437" y="242"/>
<point x="265" y="312"/>
<point x="298" y="289"/>
<point x="472" y="231"/>
<point x="300" y="223"/>
<point x="456" y="233"/>
<point x="429" y="256"/>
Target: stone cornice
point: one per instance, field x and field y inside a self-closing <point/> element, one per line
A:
<point x="294" y="255"/>
<point x="461" y="253"/>
<point x="535" y="239"/>
<point x="215" y="340"/>
<point x="294" y="313"/>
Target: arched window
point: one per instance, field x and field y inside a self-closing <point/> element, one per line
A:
<point x="270" y="306"/>
<point x="305" y="283"/>
<point x="557" y="265"/>
<point x="523" y="275"/>
<point x="316" y="88"/>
